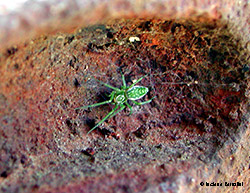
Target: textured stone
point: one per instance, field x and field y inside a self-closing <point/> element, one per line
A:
<point x="196" y="130"/>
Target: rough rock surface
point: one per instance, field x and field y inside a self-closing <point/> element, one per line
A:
<point x="195" y="131"/>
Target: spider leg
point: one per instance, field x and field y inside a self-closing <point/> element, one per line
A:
<point x="144" y="102"/>
<point x="94" y="105"/>
<point x="98" y="104"/>
<point x="123" y="81"/>
<point x="122" y="107"/>
<point x="136" y="81"/>
<point x="107" y="85"/>
<point x="130" y="108"/>
<point x="104" y="119"/>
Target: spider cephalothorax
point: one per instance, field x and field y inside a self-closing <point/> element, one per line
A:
<point x="120" y="98"/>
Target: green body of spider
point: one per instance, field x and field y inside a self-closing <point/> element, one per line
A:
<point x="120" y="98"/>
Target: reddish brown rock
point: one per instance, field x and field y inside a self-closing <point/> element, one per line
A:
<point x="195" y="131"/>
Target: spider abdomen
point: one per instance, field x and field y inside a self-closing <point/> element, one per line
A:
<point x="137" y="92"/>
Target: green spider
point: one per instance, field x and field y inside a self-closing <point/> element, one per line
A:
<point x="120" y="98"/>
